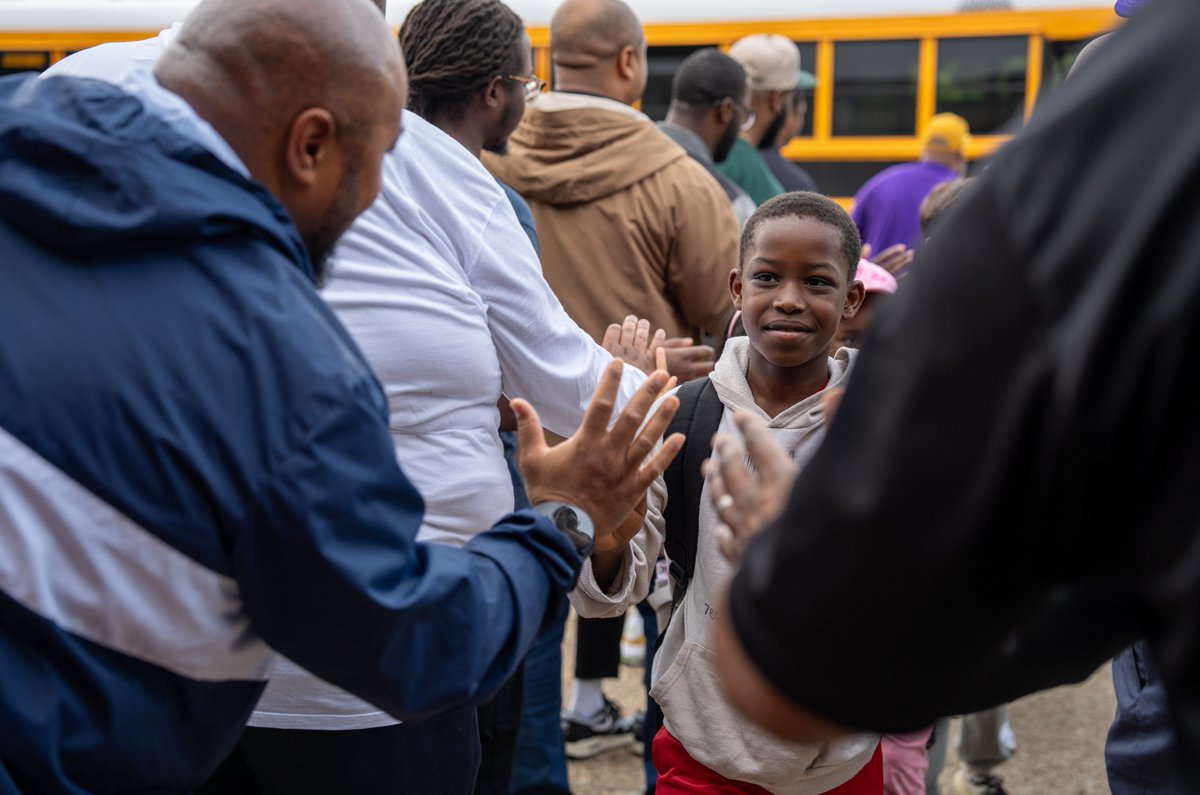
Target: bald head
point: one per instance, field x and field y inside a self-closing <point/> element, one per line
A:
<point x="304" y="91"/>
<point x="587" y="33"/>
<point x="599" y="46"/>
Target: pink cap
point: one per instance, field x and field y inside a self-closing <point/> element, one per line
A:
<point x="874" y="278"/>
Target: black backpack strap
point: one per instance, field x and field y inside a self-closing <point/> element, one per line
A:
<point x="698" y="418"/>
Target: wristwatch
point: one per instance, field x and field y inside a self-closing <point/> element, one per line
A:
<point x="573" y="521"/>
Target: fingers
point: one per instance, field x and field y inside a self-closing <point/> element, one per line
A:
<point x="612" y="337"/>
<point x="677" y="342"/>
<point x="599" y="411"/>
<point x="672" y="382"/>
<point x="690" y="361"/>
<point x="662" y="458"/>
<point x="530" y="439"/>
<point x="629" y="329"/>
<point x="866" y="252"/>
<point x="660" y="357"/>
<point x="730" y="481"/>
<point x="641" y="337"/>
<point x="769" y="458"/>
<point x="894" y="258"/>
<point x="635" y="412"/>
<point x="731" y="550"/>
<point x="652" y="431"/>
<point x="890" y="251"/>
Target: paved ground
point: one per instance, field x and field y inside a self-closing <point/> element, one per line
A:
<point x="1060" y="735"/>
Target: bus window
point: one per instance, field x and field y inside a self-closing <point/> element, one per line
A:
<point x="1057" y="59"/>
<point x="983" y="80"/>
<point x="13" y="62"/>
<point x="875" y="87"/>
<point x="808" y="62"/>
<point x="663" y="62"/>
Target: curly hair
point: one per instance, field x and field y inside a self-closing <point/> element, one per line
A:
<point x="802" y="204"/>
<point x="452" y="48"/>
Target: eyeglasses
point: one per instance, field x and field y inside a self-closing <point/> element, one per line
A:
<point x="532" y="84"/>
<point x="747" y="122"/>
<point x="747" y="112"/>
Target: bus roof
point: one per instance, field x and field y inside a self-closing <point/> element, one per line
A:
<point x="133" y="15"/>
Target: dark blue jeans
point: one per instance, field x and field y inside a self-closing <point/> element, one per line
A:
<point x="541" y="763"/>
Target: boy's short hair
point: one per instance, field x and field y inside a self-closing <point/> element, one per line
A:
<point x="802" y="204"/>
<point x="938" y="200"/>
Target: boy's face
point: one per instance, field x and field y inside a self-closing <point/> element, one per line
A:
<point x="793" y="290"/>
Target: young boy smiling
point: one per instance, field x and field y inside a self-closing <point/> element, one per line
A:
<point x="795" y="283"/>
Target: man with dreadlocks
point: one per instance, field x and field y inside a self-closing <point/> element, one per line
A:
<point x="471" y="75"/>
<point x="442" y="290"/>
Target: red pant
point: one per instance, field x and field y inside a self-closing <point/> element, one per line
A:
<point x="679" y="774"/>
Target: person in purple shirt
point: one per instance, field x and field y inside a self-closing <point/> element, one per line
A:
<point x="887" y="208"/>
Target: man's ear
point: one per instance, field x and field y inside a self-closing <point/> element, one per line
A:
<point x="627" y="62"/>
<point x="493" y="92"/>
<point x="854" y="300"/>
<point x="735" y="288"/>
<point x="776" y="101"/>
<point x="725" y="111"/>
<point x="310" y="143"/>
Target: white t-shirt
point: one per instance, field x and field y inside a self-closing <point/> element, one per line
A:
<point x="443" y="292"/>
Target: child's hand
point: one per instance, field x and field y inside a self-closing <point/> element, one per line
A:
<point x="632" y="343"/>
<point x="891" y="259"/>
<point x="682" y="359"/>
<point x="747" y="502"/>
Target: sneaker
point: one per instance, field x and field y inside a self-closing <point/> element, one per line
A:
<point x="633" y="652"/>
<point x="603" y="732"/>
<point x="967" y="783"/>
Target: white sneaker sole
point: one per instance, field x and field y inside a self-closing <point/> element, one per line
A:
<point x="594" y="746"/>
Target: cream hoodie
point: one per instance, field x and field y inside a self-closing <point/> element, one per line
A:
<point x="686" y="686"/>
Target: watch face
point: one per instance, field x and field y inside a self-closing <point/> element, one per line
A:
<point x="565" y="518"/>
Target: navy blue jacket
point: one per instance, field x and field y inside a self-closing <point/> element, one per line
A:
<point x="195" y="464"/>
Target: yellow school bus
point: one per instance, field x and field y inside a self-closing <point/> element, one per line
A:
<point x="884" y="67"/>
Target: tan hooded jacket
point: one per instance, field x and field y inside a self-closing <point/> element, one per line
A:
<point x="629" y="224"/>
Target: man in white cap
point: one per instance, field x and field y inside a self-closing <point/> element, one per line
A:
<point x="772" y="63"/>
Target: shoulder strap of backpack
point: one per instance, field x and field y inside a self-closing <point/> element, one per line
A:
<point x="698" y="418"/>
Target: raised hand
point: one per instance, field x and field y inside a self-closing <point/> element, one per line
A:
<point x="605" y="472"/>
<point x="891" y="259"/>
<point x="746" y="501"/>
<point x="684" y="360"/>
<point x="631" y="342"/>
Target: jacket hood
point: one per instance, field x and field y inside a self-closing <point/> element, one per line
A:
<point x="571" y="149"/>
<point x="84" y="168"/>
<point x="729" y="379"/>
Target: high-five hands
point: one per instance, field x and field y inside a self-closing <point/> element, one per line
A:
<point x="632" y="342"/>
<point x="746" y="501"/>
<point x="605" y="472"/>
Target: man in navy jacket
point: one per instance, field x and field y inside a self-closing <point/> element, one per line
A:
<point x="195" y="467"/>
